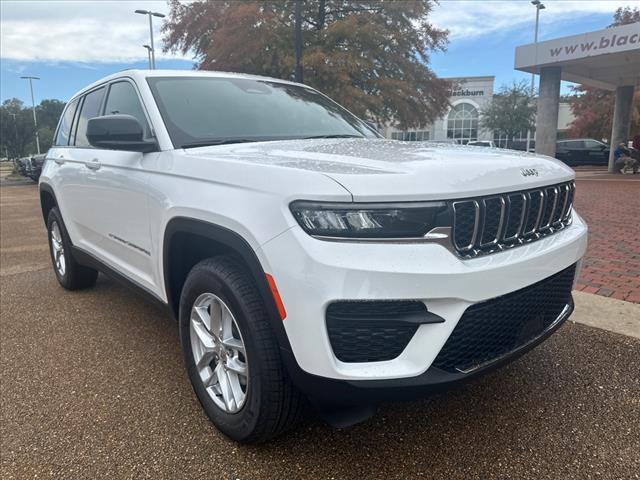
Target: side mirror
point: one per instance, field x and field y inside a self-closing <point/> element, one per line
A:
<point x="118" y="132"/>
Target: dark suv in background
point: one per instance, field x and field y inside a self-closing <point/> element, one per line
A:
<point x="582" y="151"/>
<point x="30" y="166"/>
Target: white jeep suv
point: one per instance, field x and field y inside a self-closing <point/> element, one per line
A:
<point x="304" y="257"/>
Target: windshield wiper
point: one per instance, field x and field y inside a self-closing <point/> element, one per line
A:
<point x="337" y="135"/>
<point x="225" y="141"/>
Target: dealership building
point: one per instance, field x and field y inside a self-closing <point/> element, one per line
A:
<point x="461" y="122"/>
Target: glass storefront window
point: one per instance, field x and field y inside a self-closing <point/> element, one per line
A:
<point x="411" y="136"/>
<point x="462" y="123"/>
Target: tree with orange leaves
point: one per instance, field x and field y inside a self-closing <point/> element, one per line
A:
<point x="370" y="56"/>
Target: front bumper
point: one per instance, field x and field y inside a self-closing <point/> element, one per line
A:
<point x="311" y="274"/>
<point x="337" y="394"/>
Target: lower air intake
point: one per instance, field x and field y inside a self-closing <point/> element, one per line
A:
<point x="494" y="328"/>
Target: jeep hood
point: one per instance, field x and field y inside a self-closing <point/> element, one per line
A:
<point x="382" y="170"/>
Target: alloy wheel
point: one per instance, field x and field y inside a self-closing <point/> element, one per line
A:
<point x="219" y="352"/>
<point x="57" y="249"/>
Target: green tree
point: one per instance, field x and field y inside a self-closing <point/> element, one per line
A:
<point x="17" y="133"/>
<point x="16" y="127"/>
<point x="625" y="16"/>
<point x="512" y="111"/>
<point x="49" y="112"/>
<point x="371" y="56"/>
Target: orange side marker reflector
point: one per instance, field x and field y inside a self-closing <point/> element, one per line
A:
<point x="276" y="297"/>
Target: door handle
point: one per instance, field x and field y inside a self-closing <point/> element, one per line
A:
<point x="60" y="160"/>
<point x="93" y="164"/>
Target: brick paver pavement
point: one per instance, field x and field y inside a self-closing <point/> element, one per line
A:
<point x="611" y="206"/>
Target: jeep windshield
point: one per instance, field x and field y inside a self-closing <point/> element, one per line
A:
<point x="200" y="111"/>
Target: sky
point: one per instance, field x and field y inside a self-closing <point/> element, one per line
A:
<point x="69" y="44"/>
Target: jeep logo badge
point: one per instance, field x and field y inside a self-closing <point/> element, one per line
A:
<point x="529" y="172"/>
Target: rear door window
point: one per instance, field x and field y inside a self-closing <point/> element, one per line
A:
<point x="570" y="144"/>
<point x="90" y="109"/>
<point x="593" y="145"/>
<point x="64" y="129"/>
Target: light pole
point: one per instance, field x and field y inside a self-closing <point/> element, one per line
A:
<point x="149" y="49"/>
<point x="151" y="14"/>
<point x="33" y="103"/>
<point x="539" y="6"/>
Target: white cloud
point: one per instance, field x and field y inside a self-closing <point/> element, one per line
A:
<point x="470" y="19"/>
<point x="78" y="31"/>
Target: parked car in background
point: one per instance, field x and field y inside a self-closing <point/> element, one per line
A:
<point x="22" y="165"/>
<point x="35" y="167"/>
<point x="517" y="144"/>
<point x="481" y="143"/>
<point x="30" y="166"/>
<point x="582" y="151"/>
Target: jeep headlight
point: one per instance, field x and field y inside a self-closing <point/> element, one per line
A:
<point x="368" y="220"/>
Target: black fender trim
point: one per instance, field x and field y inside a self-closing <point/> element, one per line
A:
<point x="45" y="187"/>
<point x="241" y="247"/>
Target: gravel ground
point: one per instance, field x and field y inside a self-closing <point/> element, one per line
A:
<point x="92" y="386"/>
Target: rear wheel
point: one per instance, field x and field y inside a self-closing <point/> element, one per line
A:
<point x="70" y="274"/>
<point x="231" y="355"/>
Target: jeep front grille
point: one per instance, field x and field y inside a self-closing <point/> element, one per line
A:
<point x="496" y="222"/>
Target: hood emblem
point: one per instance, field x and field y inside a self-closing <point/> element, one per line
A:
<point x="529" y="172"/>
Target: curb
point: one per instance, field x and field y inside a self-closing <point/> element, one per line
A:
<point x="606" y="313"/>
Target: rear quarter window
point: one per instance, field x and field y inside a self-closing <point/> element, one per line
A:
<point x="64" y="127"/>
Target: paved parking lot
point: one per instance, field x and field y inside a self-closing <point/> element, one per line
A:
<point x="610" y="205"/>
<point x="92" y="386"/>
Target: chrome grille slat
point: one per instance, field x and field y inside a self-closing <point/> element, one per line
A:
<point x="511" y="215"/>
<point x="534" y="212"/>
<point x="461" y="214"/>
<point x="525" y="209"/>
<point x="550" y="205"/>
<point x="562" y="204"/>
<point x="540" y="210"/>
<point x="496" y="222"/>
<point x="567" y="213"/>
<point x="495" y="237"/>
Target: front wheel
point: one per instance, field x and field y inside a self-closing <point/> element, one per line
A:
<point x="70" y="274"/>
<point x="231" y="355"/>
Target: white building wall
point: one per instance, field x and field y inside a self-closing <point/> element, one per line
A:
<point x="475" y="92"/>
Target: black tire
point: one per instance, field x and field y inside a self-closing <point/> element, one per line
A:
<point x="272" y="404"/>
<point x="75" y="276"/>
